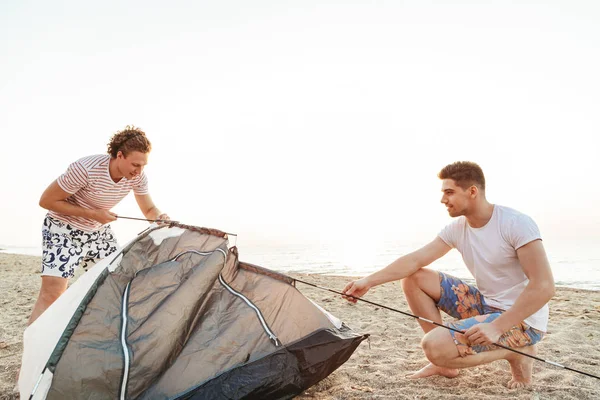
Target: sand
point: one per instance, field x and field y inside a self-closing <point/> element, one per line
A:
<point x="378" y="368"/>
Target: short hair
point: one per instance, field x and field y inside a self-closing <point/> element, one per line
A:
<point x="128" y="140"/>
<point x="464" y="173"/>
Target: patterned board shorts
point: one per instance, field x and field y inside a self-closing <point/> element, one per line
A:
<point x="66" y="248"/>
<point x="467" y="304"/>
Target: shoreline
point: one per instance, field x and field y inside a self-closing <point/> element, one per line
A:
<point x="332" y="275"/>
<point x="377" y="369"/>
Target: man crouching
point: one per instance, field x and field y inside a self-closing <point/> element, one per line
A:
<point x="503" y="250"/>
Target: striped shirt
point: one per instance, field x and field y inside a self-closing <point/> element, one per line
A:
<point x="90" y="185"/>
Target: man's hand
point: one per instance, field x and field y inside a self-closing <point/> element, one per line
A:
<point x="162" y="218"/>
<point x="483" y="334"/>
<point x="103" y="216"/>
<point x="356" y="288"/>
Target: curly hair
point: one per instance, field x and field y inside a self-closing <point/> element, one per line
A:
<point x="464" y="173"/>
<point x="128" y="140"/>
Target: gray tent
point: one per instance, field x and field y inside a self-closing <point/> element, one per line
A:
<point x="176" y="315"/>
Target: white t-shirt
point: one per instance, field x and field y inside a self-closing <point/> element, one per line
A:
<point x="490" y="253"/>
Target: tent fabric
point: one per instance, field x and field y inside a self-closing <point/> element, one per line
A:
<point x="176" y="315"/>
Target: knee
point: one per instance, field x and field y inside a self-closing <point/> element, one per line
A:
<point x="50" y="292"/>
<point x="434" y="349"/>
<point x="49" y="296"/>
<point x="412" y="281"/>
<point x="429" y="348"/>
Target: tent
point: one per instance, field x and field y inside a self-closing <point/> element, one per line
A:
<point x="175" y="315"/>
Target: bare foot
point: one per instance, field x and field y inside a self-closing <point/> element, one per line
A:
<point x="521" y="368"/>
<point x="431" y="370"/>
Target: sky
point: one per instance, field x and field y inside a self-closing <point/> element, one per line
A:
<point x="302" y="121"/>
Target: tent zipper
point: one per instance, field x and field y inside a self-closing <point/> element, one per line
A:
<point x="124" y="318"/>
<point x="125" y="303"/>
<point x="261" y="319"/>
<point x="124" y="342"/>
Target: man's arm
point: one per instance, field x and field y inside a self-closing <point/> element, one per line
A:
<point x="148" y="208"/>
<point x="399" y="269"/>
<point x="537" y="293"/>
<point x="54" y="199"/>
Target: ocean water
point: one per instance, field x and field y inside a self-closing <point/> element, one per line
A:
<point x="575" y="268"/>
<point x="578" y="270"/>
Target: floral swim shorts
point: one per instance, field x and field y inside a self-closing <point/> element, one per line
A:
<point x="467" y="304"/>
<point x="66" y="248"/>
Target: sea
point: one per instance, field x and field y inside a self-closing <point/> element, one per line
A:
<point x="572" y="267"/>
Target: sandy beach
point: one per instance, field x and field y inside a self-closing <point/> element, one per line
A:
<point x="378" y="368"/>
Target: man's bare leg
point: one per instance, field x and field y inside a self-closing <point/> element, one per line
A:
<point x="441" y="350"/>
<point x="422" y="291"/>
<point x="52" y="288"/>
